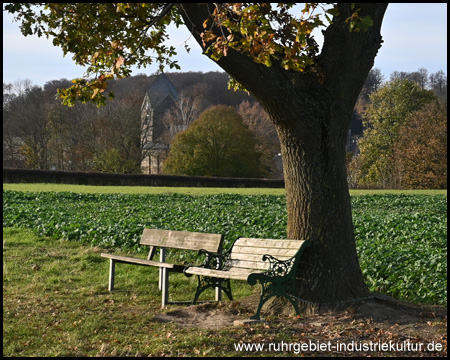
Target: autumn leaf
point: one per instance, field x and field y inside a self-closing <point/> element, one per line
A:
<point x="119" y="62"/>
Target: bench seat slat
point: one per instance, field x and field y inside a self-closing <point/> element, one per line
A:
<point x="269" y="243"/>
<point x="242" y="274"/>
<point x="182" y="240"/>
<point x="242" y="264"/>
<point x="278" y="253"/>
<point x="257" y="257"/>
<point x="137" y="261"/>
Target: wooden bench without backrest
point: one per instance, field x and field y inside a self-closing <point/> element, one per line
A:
<point x="166" y="239"/>
<point x="271" y="262"/>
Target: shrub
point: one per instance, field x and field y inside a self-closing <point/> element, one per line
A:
<point x="218" y="143"/>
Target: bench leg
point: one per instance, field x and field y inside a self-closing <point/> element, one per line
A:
<point x="218" y="294"/>
<point x="205" y="282"/>
<point x="162" y="258"/>
<point x="112" y="270"/>
<point x="269" y="290"/>
<point x="226" y="288"/>
<point x="262" y="299"/>
<point x="164" y="286"/>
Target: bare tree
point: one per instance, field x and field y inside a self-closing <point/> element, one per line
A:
<point x="181" y="115"/>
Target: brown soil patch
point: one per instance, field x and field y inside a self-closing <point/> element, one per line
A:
<point x="379" y="320"/>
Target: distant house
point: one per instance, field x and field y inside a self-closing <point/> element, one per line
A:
<point x="160" y="97"/>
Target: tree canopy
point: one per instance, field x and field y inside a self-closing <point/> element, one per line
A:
<point x="422" y="148"/>
<point x="386" y="115"/>
<point x="109" y="38"/>
<point x="216" y="144"/>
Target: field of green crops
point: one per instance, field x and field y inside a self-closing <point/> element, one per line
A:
<point x="401" y="239"/>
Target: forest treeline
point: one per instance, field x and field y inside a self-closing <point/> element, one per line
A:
<point x="40" y="133"/>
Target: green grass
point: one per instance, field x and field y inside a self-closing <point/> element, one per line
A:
<point x="398" y="236"/>
<point x="56" y="303"/>
<point x="91" y="189"/>
<point x="55" y="298"/>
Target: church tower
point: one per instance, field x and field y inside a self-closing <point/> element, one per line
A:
<point x="160" y="97"/>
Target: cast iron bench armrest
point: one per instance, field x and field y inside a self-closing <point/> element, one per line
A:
<point x="278" y="280"/>
<point x="279" y="270"/>
<point x="279" y="267"/>
<point x="212" y="260"/>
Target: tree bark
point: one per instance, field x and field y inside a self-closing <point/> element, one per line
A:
<point x="312" y="112"/>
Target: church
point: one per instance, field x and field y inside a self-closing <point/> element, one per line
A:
<point x="159" y="98"/>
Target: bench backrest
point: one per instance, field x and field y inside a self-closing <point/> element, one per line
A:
<point x="247" y="253"/>
<point x="182" y="240"/>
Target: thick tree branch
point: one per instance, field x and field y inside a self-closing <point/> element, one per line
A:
<point x="339" y="43"/>
<point x="238" y="65"/>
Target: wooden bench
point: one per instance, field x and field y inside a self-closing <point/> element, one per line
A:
<point x="166" y="239"/>
<point x="271" y="262"/>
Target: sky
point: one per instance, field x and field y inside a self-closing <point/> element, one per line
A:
<point x="415" y="36"/>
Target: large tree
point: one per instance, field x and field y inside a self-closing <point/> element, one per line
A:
<point x="386" y="114"/>
<point x="269" y="51"/>
<point x="422" y="148"/>
<point x="218" y="143"/>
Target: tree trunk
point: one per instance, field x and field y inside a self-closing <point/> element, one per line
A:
<point x="318" y="206"/>
<point x="312" y="112"/>
<point x="313" y="139"/>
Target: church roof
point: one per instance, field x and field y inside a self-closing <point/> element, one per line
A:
<point x="160" y="89"/>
